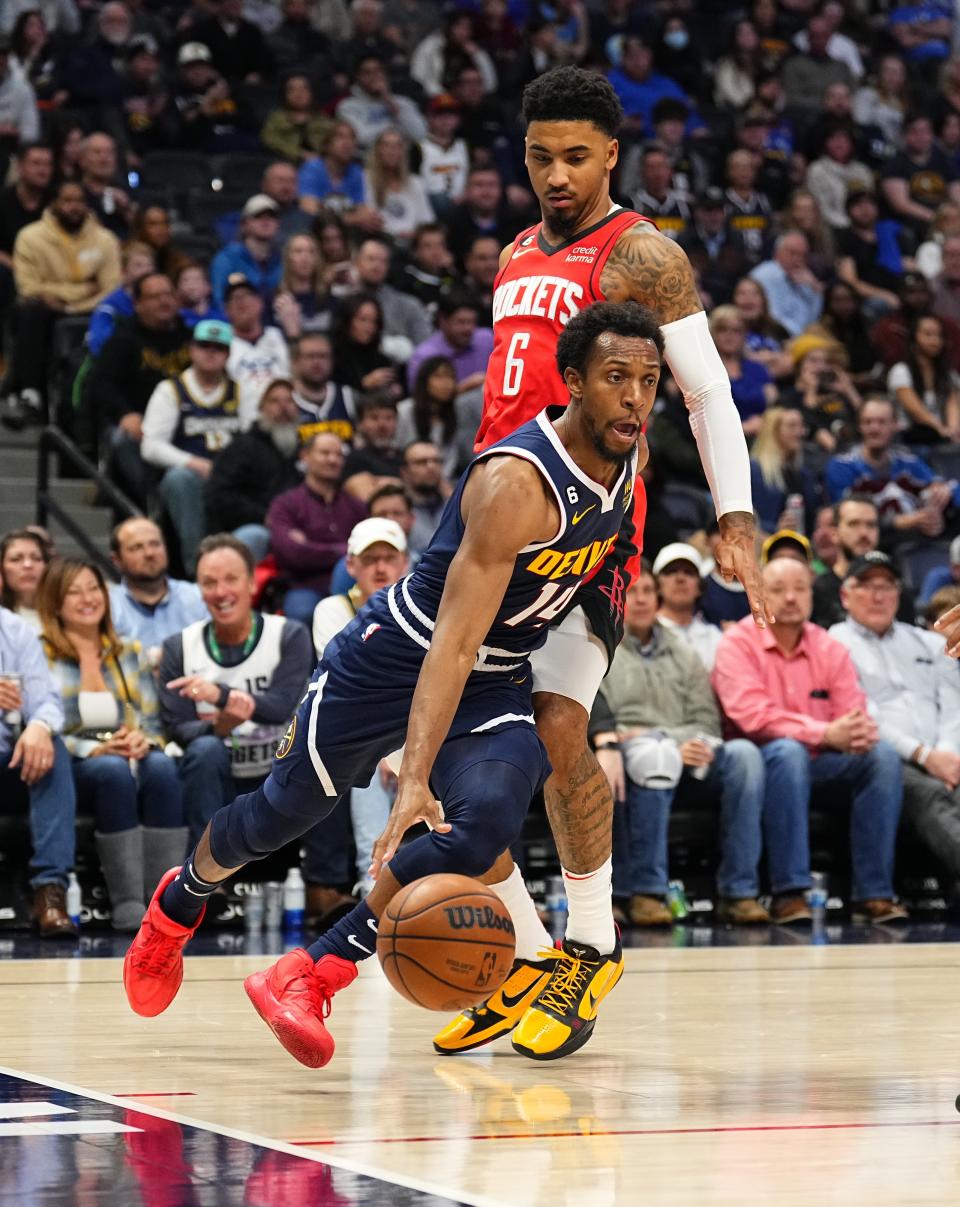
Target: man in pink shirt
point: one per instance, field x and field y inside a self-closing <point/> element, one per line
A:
<point x="793" y="690"/>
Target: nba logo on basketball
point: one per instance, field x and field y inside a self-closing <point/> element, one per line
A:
<point x="487" y="968"/>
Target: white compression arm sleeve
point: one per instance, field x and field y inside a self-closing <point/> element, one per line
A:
<point x="696" y="366"/>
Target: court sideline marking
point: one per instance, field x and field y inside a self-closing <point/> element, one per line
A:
<point x="348" y="1164"/>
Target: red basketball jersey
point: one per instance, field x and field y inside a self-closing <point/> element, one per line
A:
<point x="536" y="293"/>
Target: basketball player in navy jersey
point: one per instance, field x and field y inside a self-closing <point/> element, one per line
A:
<point x="441" y="660"/>
<point x="583" y="250"/>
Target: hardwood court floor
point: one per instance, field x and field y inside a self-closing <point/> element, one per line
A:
<point x="775" y="1076"/>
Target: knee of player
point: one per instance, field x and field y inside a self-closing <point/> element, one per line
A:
<point x="562" y="726"/>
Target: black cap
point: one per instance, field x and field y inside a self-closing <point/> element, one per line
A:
<point x="857" y="195"/>
<point x="711" y="199"/>
<point x="237" y="280"/>
<point x="877" y="560"/>
<point x="141" y="44"/>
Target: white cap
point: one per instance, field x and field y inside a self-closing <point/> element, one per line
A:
<point x="678" y="552"/>
<point x="194" y="52"/>
<point x="955" y="551"/>
<point x="376" y="528"/>
<point x="259" y="203"/>
<point x="653" y="760"/>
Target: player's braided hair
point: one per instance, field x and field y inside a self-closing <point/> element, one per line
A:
<point x="570" y="94"/>
<point x="622" y="318"/>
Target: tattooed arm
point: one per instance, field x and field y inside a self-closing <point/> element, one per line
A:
<point x="647" y="267"/>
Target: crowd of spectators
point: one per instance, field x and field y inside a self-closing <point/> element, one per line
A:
<point x="279" y="226"/>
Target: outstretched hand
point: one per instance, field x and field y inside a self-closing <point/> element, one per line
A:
<point x="949" y="626"/>
<point x="415" y="802"/>
<point x="736" y="557"/>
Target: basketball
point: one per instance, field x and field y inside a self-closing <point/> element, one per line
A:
<point x="446" y="942"/>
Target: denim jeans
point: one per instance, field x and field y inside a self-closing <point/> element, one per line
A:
<point x="327" y="849"/>
<point x="256" y="537"/>
<point x="122" y="800"/>
<point x="298" y="604"/>
<point x="182" y="493"/>
<point x="737" y="775"/>
<point x="208" y="781"/>
<point x="53" y="816"/>
<point x="876" y="781"/>
<point x="369" y="809"/>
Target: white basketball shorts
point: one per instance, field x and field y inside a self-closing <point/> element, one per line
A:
<point x="572" y="661"/>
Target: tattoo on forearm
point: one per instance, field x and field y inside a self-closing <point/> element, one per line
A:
<point x="580" y="809"/>
<point x="647" y="267"/>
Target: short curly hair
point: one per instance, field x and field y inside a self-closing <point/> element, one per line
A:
<point x="570" y="94"/>
<point x="622" y="318"/>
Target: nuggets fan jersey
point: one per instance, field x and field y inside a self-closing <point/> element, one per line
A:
<point x="546" y="576"/>
<point x="536" y="293"/>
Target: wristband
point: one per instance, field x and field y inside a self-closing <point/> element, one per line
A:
<point x="608" y="746"/>
<point x="923" y="755"/>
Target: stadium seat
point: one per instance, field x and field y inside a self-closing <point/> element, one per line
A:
<point x="177" y="173"/>
<point x="917" y="560"/>
<point x="241" y="173"/>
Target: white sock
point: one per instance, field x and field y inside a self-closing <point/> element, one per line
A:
<point x="590" y="907"/>
<point x="532" y="935"/>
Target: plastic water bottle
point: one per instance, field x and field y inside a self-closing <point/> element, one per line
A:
<point x="272" y="905"/>
<point x="74" y="900"/>
<point x="817" y="898"/>
<point x="556" y="903"/>
<point x="253" y="907"/>
<point x="294" y="900"/>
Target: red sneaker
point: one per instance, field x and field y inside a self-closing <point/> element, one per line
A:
<point x="153" y="965"/>
<point x="293" y="999"/>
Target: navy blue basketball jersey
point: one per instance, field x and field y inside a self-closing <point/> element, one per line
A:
<point x="547" y="574"/>
<point x="336" y="414"/>
<point x="202" y="431"/>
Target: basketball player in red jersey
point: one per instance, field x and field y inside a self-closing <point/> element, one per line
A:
<point x="586" y="249"/>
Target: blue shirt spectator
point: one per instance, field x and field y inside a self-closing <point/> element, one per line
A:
<point x="22" y="654"/>
<point x="314" y="181"/>
<point x="749" y="389"/>
<point x="118" y="304"/>
<point x="147" y="605"/>
<point x="947" y="575"/>
<point x="639" y="87"/>
<point x="256" y="255"/>
<point x="794" y="296"/>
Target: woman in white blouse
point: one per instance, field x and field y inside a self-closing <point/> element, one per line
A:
<point x="925" y="386"/>
<point x="392" y="189"/>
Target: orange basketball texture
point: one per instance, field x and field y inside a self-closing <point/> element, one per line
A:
<point x="446" y="942"/>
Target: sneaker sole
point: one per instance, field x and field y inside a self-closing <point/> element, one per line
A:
<point x="288" y="1034"/>
<point x="573" y="1044"/>
<point x="150" y="1011"/>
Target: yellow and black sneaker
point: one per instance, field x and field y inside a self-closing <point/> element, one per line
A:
<point x="562" y="1018"/>
<point x="501" y="1011"/>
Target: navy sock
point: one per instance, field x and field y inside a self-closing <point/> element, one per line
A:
<point x="185" y="897"/>
<point x="352" y="938"/>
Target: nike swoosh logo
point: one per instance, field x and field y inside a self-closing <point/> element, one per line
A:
<point x="511" y="1003"/>
<point x="352" y="939"/>
<point x="517" y="254"/>
<point x="578" y="515"/>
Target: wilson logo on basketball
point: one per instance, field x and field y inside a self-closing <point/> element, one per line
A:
<point x="466" y="917"/>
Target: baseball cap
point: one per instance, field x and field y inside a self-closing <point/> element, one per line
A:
<point x="193" y="52"/>
<point x="141" y="44"/>
<point x="369" y="532"/>
<point x="710" y="199"/>
<point x="213" y="331"/>
<point x="444" y="103"/>
<point x="677" y="552"/>
<point x="259" y="203"/>
<point x="653" y="760"/>
<point x="860" y="567"/>
<point x="786" y="537"/>
<point x="238" y="280"/>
